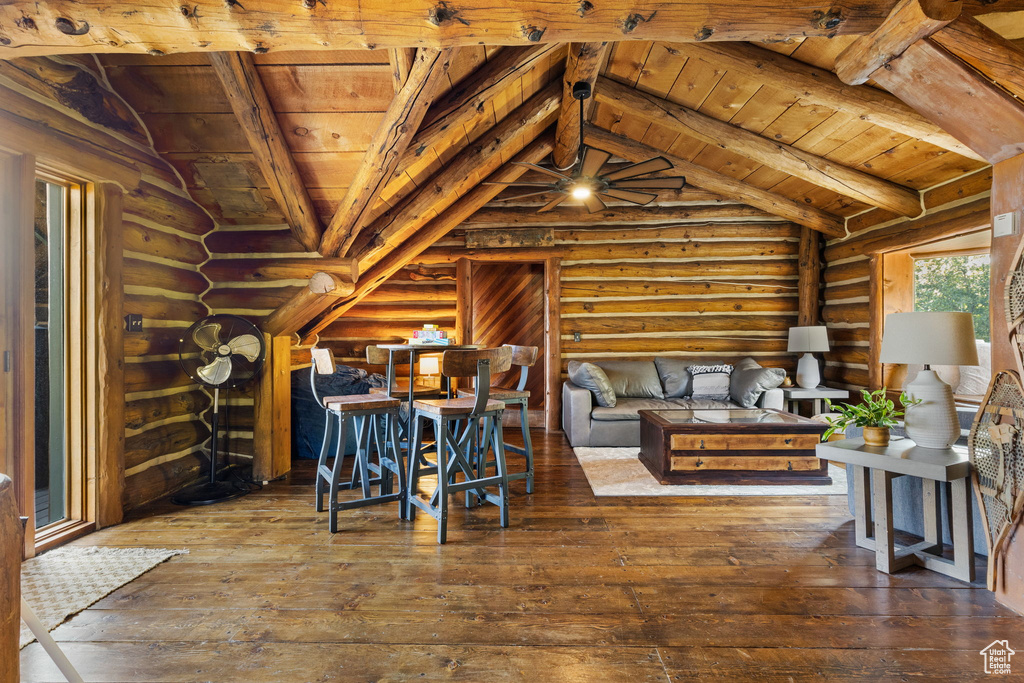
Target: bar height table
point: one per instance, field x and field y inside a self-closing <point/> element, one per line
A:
<point x="416" y="350"/>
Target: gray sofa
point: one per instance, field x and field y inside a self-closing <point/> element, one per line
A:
<point x="586" y="423"/>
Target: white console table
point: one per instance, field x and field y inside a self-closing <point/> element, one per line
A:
<point x="794" y="395"/>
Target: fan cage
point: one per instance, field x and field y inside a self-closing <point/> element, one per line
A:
<point x="193" y="357"/>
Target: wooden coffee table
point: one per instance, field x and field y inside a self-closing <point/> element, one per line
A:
<point x="731" y="446"/>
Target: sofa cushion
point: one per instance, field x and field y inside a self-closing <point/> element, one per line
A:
<point x="702" y="404"/>
<point x="590" y="376"/>
<point x="749" y="380"/>
<point x="629" y="409"/>
<point x="633" y="378"/>
<point x="711" y="381"/>
<point x="675" y="377"/>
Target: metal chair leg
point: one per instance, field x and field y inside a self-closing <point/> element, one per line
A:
<point x="527" y="445"/>
<point x="412" y="481"/>
<point x="499" y="457"/>
<point x="321" y="462"/>
<point x="442" y="481"/>
<point x="339" y="459"/>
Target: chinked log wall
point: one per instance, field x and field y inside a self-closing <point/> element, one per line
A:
<point x="848" y="280"/>
<point x="162" y="232"/>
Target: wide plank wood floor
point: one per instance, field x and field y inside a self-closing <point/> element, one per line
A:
<point x="578" y="589"/>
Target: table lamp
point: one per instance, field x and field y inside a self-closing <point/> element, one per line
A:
<point x="808" y="340"/>
<point x="430" y="366"/>
<point x="932" y="339"/>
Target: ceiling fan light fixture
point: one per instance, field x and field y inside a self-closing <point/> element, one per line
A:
<point x="580" y="192"/>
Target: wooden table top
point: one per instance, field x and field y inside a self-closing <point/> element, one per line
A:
<point x="430" y="347"/>
<point x="738" y="419"/>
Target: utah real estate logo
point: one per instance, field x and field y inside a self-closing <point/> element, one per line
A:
<point x="997" y="657"/>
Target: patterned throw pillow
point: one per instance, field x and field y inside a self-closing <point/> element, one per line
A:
<point x="711" y="382"/>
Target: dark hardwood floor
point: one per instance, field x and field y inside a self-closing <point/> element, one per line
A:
<point x="578" y="589"/>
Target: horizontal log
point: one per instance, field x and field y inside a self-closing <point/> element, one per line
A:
<point x="755" y="231"/>
<point x="986" y="51"/>
<point x="306" y="305"/>
<point x="695" y="269"/>
<point x="248" y="298"/>
<point x="164" y="308"/>
<point x="261" y="242"/>
<point x="391" y="333"/>
<point x="162" y="440"/>
<point x="153" y="242"/>
<point x="139" y="273"/>
<point x="848" y="291"/>
<point x="426" y="312"/>
<point x="516" y="217"/>
<point x="711" y="322"/>
<point x="619" y="250"/>
<point x="143" y="411"/>
<point x="740" y="346"/>
<point x="165" y="208"/>
<point x="270" y="269"/>
<point x="846" y="313"/>
<point x="403" y="293"/>
<point x="590" y="289"/>
<point x="154" y="376"/>
<point x="849" y="354"/>
<point x="847" y="271"/>
<point x="681" y="305"/>
<point x="848" y="335"/>
<point x="153" y="341"/>
<point x="273" y="25"/>
<point x="160" y="480"/>
<point x="837" y="374"/>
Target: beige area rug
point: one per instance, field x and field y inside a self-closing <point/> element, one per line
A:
<point x="619" y="472"/>
<point x="63" y="582"/>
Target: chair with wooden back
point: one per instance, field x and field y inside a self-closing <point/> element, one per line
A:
<point x="375" y="418"/>
<point x="523" y="357"/>
<point x="397" y="387"/>
<point x="461" y="452"/>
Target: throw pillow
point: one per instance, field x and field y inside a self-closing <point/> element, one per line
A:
<point x="750" y="380"/>
<point x="589" y="376"/>
<point x="711" y="382"/>
<point x="633" y="378"/>
<point x="675" y="377"/>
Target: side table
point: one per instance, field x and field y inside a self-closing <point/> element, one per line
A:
<point x="793" y="395"/>
<point x="933" y="466"/>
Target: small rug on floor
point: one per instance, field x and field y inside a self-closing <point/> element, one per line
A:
<point x="619" y="472"/>
<point x="63" y="582"/>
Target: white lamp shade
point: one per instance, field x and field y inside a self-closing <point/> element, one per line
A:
<point x="429" y="365"/>
<point x="808" y="339"/>
<point x="940" y="338"/>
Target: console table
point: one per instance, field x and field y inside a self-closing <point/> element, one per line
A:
<point x="794" y="395"/>
<point x="874" y="468"/>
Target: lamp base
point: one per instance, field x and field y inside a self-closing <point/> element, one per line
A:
<point x="933" y="423"/>
<point x="808" y="376"/>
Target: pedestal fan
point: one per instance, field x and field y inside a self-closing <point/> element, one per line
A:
<point x="219" y="351"/>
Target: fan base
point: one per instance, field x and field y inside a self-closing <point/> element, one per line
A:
<point x="208" y="493"/>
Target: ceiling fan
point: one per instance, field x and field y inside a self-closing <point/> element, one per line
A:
<point x="586" y="182"/>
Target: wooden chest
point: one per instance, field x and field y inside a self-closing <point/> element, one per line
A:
<point x="731" y="446"/>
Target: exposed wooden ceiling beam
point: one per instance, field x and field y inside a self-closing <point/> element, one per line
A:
<point x="467" y="100"/>
<point x="770" y="202"/>
<point x="583" y="63"/>
<point x="401" y="60"/>
<point x="909" y="22"/>
<point x="437" y="228"/>
<point x="490" y="217"/>
<point x="387" y="146"/>
<point x="778" y="155"/>
<point x="252" y="108"/>
<point x="385" y="233"/>
<point x="323" y="290"/>
<point x="819" y="86"/>
<point x="958" y="98"/>
<point x="29" y="27"/>
<point x="999" y="59"/>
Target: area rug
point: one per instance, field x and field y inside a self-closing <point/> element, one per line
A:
<point x="63" y="582"/>
<point x="619" y="472"/>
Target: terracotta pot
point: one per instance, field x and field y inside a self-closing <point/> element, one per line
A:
<point x="876" y="436"/>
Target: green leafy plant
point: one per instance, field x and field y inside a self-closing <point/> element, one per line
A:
<point x="876" y="410"/>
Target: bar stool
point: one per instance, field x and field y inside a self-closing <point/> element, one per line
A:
<point x="455" y="452"/>
<point x="525" y="357"/>
<point x="375" y="419"/>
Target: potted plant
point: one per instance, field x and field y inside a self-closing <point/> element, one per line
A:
<point x="876" y="414"/>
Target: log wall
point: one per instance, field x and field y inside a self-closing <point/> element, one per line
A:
<point x="162" y="238"/>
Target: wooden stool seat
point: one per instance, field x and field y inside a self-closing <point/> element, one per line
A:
<point x="499" y="394"/>
<point x="360" y="402"/>
<point x="401" y="388"/>
<point x="455" y="406"/>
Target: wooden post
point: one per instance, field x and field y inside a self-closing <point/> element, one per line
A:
<point x="272" y="439"/>
<point x="552" y="343"/>
<point x="10" y="581"/>
<point x="464" y="301"/>
<point x="809" y="278"/>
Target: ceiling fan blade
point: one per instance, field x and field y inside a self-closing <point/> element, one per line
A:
<point x="593" y="161"/>
<point x="633" y="170"/>
<point x="676" y="183"/>
<point x="541" y="169"/>
<point x="553" y="203"/>
<point x="217" y="372"/>
<point x="246" y="345"/>
<point x="630" y="196"/>
<point x="520" y="196"/>
<point x="207" y="337"/>
<point x="594" y="203"/>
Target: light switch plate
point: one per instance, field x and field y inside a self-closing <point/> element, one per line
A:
<point x="133" y="322"/>
<point x="1004" y="224"/>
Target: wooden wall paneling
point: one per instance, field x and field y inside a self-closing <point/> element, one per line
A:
<point x="464" y="302"/>
<point x="17" y="343"/>
<point x="552" y="344"/>
<point x="810" y="277"/>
